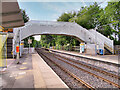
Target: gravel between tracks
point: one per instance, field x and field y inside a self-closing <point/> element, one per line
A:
<point x="115" y="80"/>
<point x="71" y="83"/>
<point x="107" y="67"/>
<point x="93" y="81"/>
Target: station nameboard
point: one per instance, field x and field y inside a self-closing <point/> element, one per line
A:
<point x="29" y="41"/>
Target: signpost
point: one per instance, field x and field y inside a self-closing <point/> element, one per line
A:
<point x="82" y="47"/>
<point x="17" y="51"/>
<point x="29" y="42"/>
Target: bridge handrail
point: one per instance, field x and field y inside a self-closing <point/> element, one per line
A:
<point x="101" y="39"/>
<point x="106" y="40"/>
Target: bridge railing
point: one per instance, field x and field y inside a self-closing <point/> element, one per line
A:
<point x="102" y="39"/>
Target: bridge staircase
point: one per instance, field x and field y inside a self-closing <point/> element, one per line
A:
<point x="104" y="41"/>
<point x="108" y="50"/>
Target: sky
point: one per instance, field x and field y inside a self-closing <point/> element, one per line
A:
<point x="50" y="11"/>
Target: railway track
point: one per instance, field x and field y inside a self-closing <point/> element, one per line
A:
<point x="90" y="67"/>
<point x="108" y="81"/>
<point x="86" y="85"/>
<point x="61" y="58"/>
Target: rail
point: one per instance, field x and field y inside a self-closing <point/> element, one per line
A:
<point x="71" y="74"/>
<point x="108" y="81"/>
<point x="98" y="70"/>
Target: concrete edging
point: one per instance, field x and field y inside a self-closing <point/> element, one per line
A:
<point x="44" y="74"/>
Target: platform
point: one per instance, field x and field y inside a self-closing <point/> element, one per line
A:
<point x="114" y="59"/>
<point x="32" y="72"/>
<point x="47" y="77"/>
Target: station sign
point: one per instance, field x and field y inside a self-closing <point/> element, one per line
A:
<point x="29" y="41"/>
<point x="82" y="47"/>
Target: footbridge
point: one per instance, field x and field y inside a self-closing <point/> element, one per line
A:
<point x="35" y="27"/>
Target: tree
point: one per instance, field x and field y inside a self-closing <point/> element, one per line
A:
<point x="87" y="16"/>
<point x="66" y="16"/>
<point x="25" y="16"/>
<point x="113" y="12"/>
<point x="109" y="21"/>
<point x="26" y="19"/>
<point x="106" y="20"/>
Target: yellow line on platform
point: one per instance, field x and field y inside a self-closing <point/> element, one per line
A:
<point x="23" y="68"/>
<point x="24" y="63"/>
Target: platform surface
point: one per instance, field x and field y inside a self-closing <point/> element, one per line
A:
<point x="32" y="72"/>
<point x="106" y="58"/>
<point x="47" y="77"/>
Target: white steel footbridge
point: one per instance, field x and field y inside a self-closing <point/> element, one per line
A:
<point x="35" y="27"/>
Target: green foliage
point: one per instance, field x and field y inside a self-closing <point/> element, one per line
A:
<point x="26" y="19"/>
<point x="25" y="16"/>
<point x="26" y="42"/>
<point x="110" y="20"/>
<point x="36" y="44"/>
<point x="87" y="16"/>
<point x="66" y="16"/>
<point x="58" y="41"/>
<point x="106" y="20"/>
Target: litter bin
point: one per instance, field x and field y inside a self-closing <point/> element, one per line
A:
<point x="101" y="51"/>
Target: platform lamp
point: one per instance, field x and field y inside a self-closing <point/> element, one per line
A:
<point x="95" y="40"/>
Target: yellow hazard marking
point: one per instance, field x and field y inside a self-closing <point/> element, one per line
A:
<point x="24" y="63"/>
<point x="1" y="28"/>
<point x="81" y="44"/>
<point x="23" y="68"/>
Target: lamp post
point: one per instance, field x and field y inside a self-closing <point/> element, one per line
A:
<point x="95" y="41"/>
<point x="17" y="47"/>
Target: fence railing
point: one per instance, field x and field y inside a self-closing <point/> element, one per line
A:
<point x="117" y="49"/>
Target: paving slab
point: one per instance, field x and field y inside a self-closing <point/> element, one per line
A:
<point x="32" y="72"/>
<point x="14" y="77"/>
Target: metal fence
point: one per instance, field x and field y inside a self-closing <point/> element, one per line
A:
<point x="116" y="49"/>
<point x="119" y="56"/>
